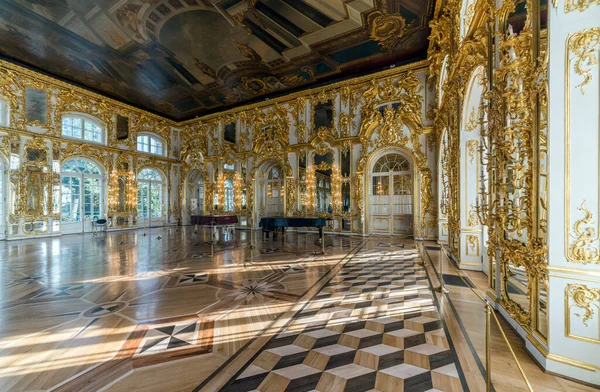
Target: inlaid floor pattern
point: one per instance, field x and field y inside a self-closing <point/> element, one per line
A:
<point x="373" y="327"/>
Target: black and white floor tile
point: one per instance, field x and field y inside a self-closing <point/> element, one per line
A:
<point x="373" y="327"/>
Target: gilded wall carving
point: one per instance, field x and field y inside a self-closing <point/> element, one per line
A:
<point x="507" y="150"/>
<point x="35" y="197"/>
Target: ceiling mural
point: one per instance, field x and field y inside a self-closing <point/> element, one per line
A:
<point x="186" y="58"/>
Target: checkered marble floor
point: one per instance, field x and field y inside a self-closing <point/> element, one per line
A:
<point x="373" y="327"/>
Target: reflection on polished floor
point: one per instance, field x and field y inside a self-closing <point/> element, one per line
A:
<point x="81" y="312"/>
<point x="170" y="312"/>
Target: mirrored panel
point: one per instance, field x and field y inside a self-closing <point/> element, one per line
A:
<point x="516" y="285"/>
<point x="323" y="164"/>
<point x="542" y="307"/>
<point x="323" y="114"/>
<point x="229" y="134"/>
<point x="346" y="197"/>
<point x="122" y="195"/>
<point x="36" y="105"/>
<point x="345" y="163"/>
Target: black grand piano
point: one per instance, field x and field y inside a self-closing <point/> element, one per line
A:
<point x="216" y="220"/>
<point x="275" y="223"/>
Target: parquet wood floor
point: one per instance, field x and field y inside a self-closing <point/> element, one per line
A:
<point x="127" y="312"/>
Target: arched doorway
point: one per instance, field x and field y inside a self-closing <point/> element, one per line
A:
<point x="270" y="190"/>
<point x="82" y="190"/>
<point x="195" y="193"/>
<point x="151" y="185"/>
<point x="391" y="191"/>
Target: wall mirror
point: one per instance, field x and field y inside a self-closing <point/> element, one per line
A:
<point x="122" y="127"/>
<point x="516" y="282"/>
<point x="36" y="105"/>
<point x="323" y="114"/>
<point x="36" y="192"/>
<point x="346" y="197"/>
<point x="302" y="199"/>
<point x="345" y="163"/>
<point x="36" y="155"/>
<point x="122" y="194"/>
<point x="229" y="134"/>
<point x="323" y="164"/>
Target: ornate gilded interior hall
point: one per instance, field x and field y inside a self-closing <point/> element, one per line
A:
<point x="299" y="195"/>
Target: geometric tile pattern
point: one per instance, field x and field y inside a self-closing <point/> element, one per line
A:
<point x="193" y="278"/>
<point x="124" y="309"/>
<point x="169" y="337"/>
<point x="373" y="327"/>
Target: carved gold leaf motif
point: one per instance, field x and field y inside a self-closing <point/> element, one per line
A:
<point x="584" y="298"/>
<point x="585" y="46"/>
<point x="582" y="249"/>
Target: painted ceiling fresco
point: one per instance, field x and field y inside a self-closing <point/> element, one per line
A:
<point x="185" y="58"/>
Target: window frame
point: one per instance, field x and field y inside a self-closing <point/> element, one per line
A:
<point x="85" y="118"/>
<point x="151" y="137"/>
<point x="81" y="175"/>
<point x="150" y="184"/>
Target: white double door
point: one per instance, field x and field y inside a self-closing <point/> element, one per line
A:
<point x="391" y="203"/>
<point x="82" y="202"/>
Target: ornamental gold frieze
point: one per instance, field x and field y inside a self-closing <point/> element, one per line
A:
<point x="14" y="79"/>
<point x="71" y="101"/>
<point x="73" y="149"/>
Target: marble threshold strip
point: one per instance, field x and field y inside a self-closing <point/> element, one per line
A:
<point x="251" y="350"/>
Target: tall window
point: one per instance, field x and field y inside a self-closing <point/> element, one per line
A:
<point x="228" y="195"/>
<point x="81" y="190"/>
<point x="150" y="144"/>
<point x="80" y="127"/>
<point x="3" y="113"/>
<point x="150" y="188"/>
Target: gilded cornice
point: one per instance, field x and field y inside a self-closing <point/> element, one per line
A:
<point x="288" y="99"/>
<point x="54" y="82"/>
<point x="58" y="139"/>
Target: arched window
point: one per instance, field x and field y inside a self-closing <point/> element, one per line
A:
<point x="83" y="127"/>
<point x="274" y="173"/>
<point x="150" y="192"/>
<point x="228" y="195"/>
<point x="391" y="162"/>
<point x="151" y="144"/>
<point x="3" y="112"/>
<point x="81" y="190"/>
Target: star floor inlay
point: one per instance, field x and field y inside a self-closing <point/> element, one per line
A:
<point x="169" y="337"/>
<point x="104" y="309"/>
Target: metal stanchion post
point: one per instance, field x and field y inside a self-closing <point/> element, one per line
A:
<point x="145" y="227"/>
<point x="251" y="241"/>
<point x="158" y="237"/>
<point x="441" y="288"/>
<point x="488" y="348"/>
